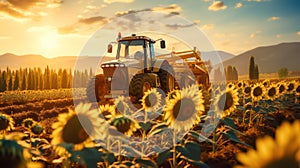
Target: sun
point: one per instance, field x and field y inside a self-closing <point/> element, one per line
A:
<point x="49" y="41"/>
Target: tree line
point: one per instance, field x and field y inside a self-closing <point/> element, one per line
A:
<point x="38" y="79"/>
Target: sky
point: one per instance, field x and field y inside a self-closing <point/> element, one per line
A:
<point x="79" y="27"/>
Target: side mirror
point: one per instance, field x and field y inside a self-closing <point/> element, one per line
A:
<point x="162" y="44"/>
<point x="109" y="48"/>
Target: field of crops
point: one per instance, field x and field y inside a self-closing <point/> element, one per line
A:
<point x="238" y="124"/>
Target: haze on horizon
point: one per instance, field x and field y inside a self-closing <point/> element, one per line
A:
<point x="61" y="28"/>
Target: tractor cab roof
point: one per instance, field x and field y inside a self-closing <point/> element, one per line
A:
<point x="134" y="37"/>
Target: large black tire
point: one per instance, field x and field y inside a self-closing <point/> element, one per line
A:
<point x="95" y="89"/>
<point x="166" y="77"/>
<point x="138" y="85"/>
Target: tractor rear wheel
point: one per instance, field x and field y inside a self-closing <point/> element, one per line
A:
<point x="166" y="76"/>
<point x="95" y="90"/>
<point x="139" y="84"/>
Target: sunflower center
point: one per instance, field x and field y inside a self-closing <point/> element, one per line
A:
<point x="227" y="97"/>
<point x="272" y="92"/>
<point x="184" y="109"/>
<point x="150" y="100"/>
<point x="73" y="132"/>
<point x="123" y="126"/>
<point x="240" y="84"/>
<point x="247" y="90"/>
<point x="106" y="114"/>
<point x="37" y="129"/>
<point x="290" y="87"/>
<point x="298" y="89"/>
<point x="3" y="123"/>
<point x="257" y="91"/>
<point x="281" y="88"/>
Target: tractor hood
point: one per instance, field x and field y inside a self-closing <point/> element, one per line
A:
<point x="132" y="63"/>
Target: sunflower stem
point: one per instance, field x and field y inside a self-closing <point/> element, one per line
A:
<point x="214" y="135"/>
<point x="119" y="150"/>
<point x="174" y="150"/>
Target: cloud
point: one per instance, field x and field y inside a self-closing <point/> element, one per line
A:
<point x="92" y="20"/>
<point x="207" y="26"/>
<point x="118" y="1"/>
<point x="238" y="5"/>
<point x="170" y="8"/>
<point x="176" y="26"/>
<point x="273" y="18"/>
<point x="278" y="35"/>
<point x="22" y="8"/>
<point x="298" y="33"/>
<point x="217" y="5"/>
<point x="129" y="19"/>
<point x="80" y="27"/>
<point x="7" y="9"/>
<point x="69" y="29"/>
<point x="252" y="35"/>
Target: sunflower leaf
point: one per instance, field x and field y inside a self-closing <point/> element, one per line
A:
<point x="228" y="121"/>
<point x="231" y="136"/>
<point x="145" y="162"/>
<point x="163" y="156"/>
<point x="145" y="126"/>
<point x="156" y="129"/>
<point x="190" y="150"/>
<point x="131" y="151"/>
<point x="195" y="162"/>
<point x="91" y="156"/>
<point x="199" y="137"/>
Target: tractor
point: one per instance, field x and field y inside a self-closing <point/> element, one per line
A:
<point x="137" y="68"/>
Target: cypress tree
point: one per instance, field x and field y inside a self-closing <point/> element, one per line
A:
<point x="16" y="81"/>
<point x="23" y="87"/>
<point x="251" y="68"/>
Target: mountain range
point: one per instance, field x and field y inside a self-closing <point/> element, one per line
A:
<point x="268" y="58"/>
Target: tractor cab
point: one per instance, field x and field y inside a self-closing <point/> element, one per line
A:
<point x="139" y="50"/>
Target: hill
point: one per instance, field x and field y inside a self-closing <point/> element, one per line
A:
<point x="80" y="63"/>
<point x="216" y="57"/>
<point x="269" y="58"/>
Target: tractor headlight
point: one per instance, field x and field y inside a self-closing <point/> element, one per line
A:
<point x="122" y="65"/>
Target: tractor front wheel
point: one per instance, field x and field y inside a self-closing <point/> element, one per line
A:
<point x="139" y="85"/>
<point x="96" y="88"/>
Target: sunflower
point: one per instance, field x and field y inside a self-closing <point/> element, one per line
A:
<point x="230" y="85"/>
<point x="247" y="90"/>
<point x="107" y="111"/>
<point x="78" y="127"/>
<point x="125" y="125"/>
<point x="185" y="109"/>
<point x="28" y="122"/>
<point x="283" y="151"/>
<point x="6" y="122"/>
<point x="281" y="88"/>
<point x="37" y="129"/>
<point x="151" y="100"/>
<point x="257" y="92"/>
<point x="172" y="94"/>
<point x="121" y="106"/>
<point x="272" y="92"/>
<point x="298" y="89"/>
<point x="291" y="86"/>
<point x="266" y="82"/>
<point x="14" y="153"/>
<point x="240" y="84"/>
<point x="226" y="101"/>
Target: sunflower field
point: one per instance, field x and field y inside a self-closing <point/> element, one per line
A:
<point x="235" y="124"/>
